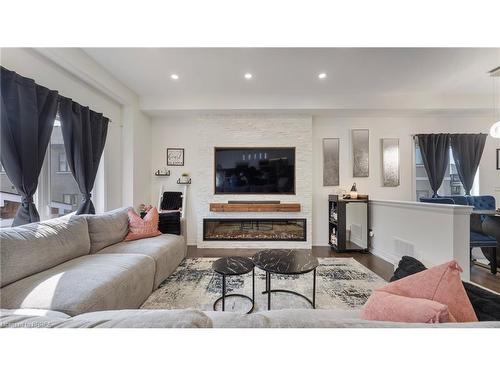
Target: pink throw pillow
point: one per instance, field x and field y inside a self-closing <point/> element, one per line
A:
<point x="142" y="228"/>
<point x="440" y="284"/>
<point x="391" y="307"/>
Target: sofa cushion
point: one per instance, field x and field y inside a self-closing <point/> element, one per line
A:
<point x="88" y="283"/>
<point x="36" y="247"/>
<point x="486" y="303"/>
<point x="142" y="227"/>
<point x="108" y="319"/>
<point x="441" y="284"/>
<point x="34" y="312"/>
<point x="146" y="319"/>
<point x="310" y="318"/>
<point x="287" y="318"/>
<point x="391" y="307"/>
<point x="307" y="318"/>
<point x="225" y="319"/>
<point x="8" y="320"/>
<point x="107" y="228"/>
<point x="168" y="251"/>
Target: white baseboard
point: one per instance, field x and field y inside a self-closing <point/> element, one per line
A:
<point x="391" y="258"/>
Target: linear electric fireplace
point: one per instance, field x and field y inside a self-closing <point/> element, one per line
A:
<point x="254" y="229"/>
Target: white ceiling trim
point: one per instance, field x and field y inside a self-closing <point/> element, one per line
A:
<point x="77" y="63"/>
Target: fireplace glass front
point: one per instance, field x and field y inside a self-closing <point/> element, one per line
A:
<point x="254" y="229"/>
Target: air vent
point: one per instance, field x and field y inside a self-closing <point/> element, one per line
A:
<point x="402" y="247"/>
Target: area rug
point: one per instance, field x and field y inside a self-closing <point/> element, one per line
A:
<point x="341" y="283"/>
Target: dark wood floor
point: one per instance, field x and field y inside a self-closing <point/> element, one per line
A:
<point x="378" y="265"/>
<point x="381" y="267"/>
<point x="484" y="277"/>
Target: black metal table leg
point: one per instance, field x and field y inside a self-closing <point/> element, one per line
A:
<point x="223" y="293"/>
<point x="314" y="289"/>
<point x="268" y="275"/>
<point x="493" y="262"/>
<point x="253" y="285"/>
<point x="269" y="291"/>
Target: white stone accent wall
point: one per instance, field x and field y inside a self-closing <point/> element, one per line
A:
<point x="253" y="131"/>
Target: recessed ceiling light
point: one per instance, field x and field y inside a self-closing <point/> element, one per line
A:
<point x="248" y="75"/>
<point x="322" y="75"/>
<point x="175" y="77"/>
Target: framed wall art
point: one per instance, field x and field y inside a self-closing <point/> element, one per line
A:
<point x="331" y="161"/>
<point x="360" y="152"/>
<point x="175" y="156"/>
<point x="390" y="162"/>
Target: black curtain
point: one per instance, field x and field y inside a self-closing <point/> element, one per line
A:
<point x="84" y="133"/>
<point x="28" y="112"/>
<point x="467" y="151"/>
<point x="435" y="149"/>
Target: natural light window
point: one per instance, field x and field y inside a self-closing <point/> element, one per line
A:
<point x="63" y="190"/>
<point x="451" y="183"/>
<point x="57" y="192"/>
<point x="9" y="200"/>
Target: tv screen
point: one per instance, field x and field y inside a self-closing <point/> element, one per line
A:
<point x="256" y="170"/>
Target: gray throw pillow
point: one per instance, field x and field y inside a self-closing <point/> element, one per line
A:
<point x="107" y="229"/>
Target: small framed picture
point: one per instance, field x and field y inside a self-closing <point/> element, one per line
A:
<point x="175" y="156"/>
<point x="498" y="158"/>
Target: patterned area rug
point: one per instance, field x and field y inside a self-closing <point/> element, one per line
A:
<point x="341" y="283"/>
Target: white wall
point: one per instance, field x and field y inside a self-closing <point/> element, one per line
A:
<point x="199" y="136"/>
<point x="389" y="127"/>
<point x="136" y="157"/>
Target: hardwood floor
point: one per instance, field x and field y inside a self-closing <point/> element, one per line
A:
<point x="381" y="267"/>
<point x="484" y="277"/>
<point x="378" y="265"/>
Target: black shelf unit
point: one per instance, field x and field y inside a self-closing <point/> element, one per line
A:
<point x="337" y="222"/>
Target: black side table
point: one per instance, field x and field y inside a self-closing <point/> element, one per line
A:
<point x="233" y="266"/>
<point x="286" y="262"/>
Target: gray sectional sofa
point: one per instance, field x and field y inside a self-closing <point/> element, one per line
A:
<point x="79" y="264"/>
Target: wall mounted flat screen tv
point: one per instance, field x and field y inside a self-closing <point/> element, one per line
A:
<point x="255" y="170"/>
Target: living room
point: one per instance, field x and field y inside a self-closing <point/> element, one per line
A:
<point x="284" y="185"/>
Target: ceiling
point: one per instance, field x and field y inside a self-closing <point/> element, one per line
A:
<point x="287" y="78"/>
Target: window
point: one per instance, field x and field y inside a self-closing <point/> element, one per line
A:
<point x="451" y="183"/>
<point x="62" y="188"/>
<point x="70" y="198"/>
<point x="9" y="199"/>
<point x="57" y="192"/>
<point x="62" y="165"/>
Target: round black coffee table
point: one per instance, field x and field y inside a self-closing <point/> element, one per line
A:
<point x="286" y="262"/>
<point x="233" y="266"/>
